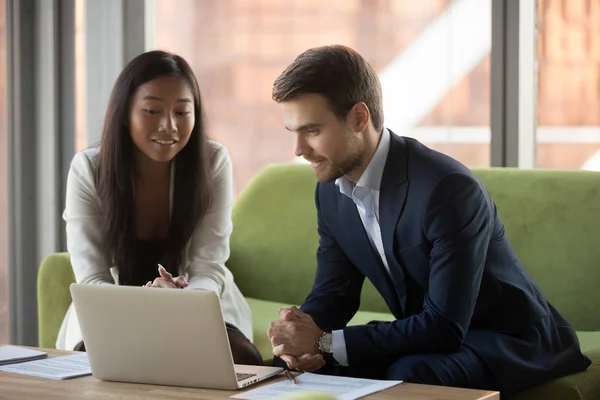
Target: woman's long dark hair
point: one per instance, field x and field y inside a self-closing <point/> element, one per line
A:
<point x="116" y="168"/>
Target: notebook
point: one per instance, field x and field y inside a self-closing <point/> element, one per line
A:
<point x="65" y="367"/>
<point x="15" y="354"/>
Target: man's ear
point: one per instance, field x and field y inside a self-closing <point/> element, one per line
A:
<point x="360" y="116"/>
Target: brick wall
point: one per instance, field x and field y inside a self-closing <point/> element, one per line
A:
<point x="569" y="62"/>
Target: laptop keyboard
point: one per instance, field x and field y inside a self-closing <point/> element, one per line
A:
<point x="241" y="377"/>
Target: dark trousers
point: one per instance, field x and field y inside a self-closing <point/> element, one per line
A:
<point x="461" y="369"/>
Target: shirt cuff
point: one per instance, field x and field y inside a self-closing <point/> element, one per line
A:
<point x="339" y="347"/>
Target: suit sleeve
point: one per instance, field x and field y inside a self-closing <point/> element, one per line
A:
<point x="458" y="221"/>
<point x="335" y="295"/>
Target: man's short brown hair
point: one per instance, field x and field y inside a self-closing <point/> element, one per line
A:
<point x="339" y="74"/>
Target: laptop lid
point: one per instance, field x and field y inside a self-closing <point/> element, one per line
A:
<point x="159" y="336"/>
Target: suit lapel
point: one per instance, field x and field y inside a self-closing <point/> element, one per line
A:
<point x="392" y="197"/>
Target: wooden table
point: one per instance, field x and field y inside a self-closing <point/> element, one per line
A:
<point x="23" y="387"/>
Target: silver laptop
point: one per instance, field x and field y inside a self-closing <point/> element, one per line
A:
<point x="169" y="337"/>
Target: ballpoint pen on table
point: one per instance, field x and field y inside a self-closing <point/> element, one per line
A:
<point x="290" y="377"/>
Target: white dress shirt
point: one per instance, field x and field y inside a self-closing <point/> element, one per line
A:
<point x="365" y="195"/>
<point x="205" y="253"/>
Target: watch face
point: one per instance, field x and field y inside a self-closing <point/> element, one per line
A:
<point x="326" y="343"/>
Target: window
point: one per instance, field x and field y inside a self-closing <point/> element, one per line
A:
<point x="4" y="222"/>
<point x="568" y="132"/>
<point x="433" y="58"/>
<point x="80" y="137"/>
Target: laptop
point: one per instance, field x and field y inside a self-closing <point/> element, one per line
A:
<point x="170" y="337"/>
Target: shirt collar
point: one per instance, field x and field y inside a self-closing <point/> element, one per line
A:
<point x="371" y="177"/>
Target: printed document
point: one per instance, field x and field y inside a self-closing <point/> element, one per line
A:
<point x="341" y="387"/>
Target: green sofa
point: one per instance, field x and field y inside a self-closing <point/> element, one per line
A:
<point x="552" y="219"/>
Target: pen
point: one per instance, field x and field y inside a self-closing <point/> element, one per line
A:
<point x="290" y="377"/>
<point x="160" y="266"/>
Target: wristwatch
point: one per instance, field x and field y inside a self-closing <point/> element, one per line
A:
<point x="325" y="343"/>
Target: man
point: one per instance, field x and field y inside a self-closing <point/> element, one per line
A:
<point x="424" y="230"/>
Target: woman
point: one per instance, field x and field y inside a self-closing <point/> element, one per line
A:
<point x="156" y="192"/>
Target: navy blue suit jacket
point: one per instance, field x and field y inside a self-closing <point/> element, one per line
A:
<point x="456" y="280"/>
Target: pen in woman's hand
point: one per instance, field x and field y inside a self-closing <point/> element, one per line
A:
<point x="290" y="377"/>
<point x="179" y="281"/>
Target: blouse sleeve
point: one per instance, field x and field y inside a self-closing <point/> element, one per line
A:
<point x="83" y="217"/>
<point x="209" y="244"/>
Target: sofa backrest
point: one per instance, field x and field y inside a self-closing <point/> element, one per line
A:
<point x="552" y="218"/>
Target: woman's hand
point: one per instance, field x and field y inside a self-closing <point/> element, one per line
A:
<point x="166" y="280"/>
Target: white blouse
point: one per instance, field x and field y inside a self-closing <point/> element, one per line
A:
<point x="204" y="257"/>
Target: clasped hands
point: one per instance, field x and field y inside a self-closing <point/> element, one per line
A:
<point x="294" y="339"/>
<point x="166" y="280"/>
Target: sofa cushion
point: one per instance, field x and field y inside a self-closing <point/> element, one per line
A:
<point x="264" y="311"/>
<point x="581" y="386"/>
<point x="589" y="341"/>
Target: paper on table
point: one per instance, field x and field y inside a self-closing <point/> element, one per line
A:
<point x="54" y="368"/>
<point x="341" y="387"/>
<point x="15" y="354"/>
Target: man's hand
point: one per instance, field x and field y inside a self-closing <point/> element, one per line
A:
<point x="294" y="339"/>
<point x="306" y="362"/>
<point x="166" y="280"/>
